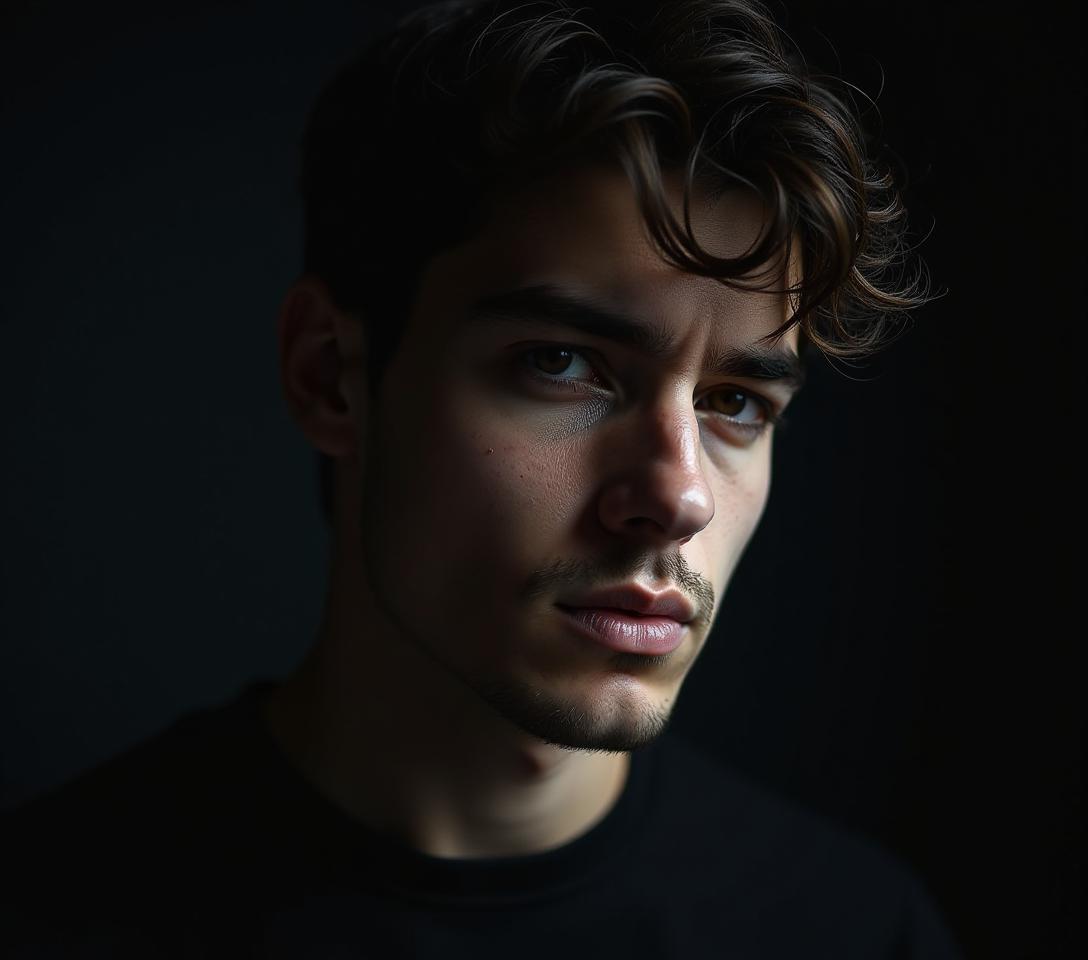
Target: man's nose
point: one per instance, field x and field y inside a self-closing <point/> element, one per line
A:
<point x="656" y="489"/>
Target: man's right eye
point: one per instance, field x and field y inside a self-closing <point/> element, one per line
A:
<point x="549" y="362"/>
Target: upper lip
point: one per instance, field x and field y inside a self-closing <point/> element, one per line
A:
<point x="636" y="599"/>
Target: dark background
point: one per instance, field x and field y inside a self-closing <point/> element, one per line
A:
<point x="895" y="648"/>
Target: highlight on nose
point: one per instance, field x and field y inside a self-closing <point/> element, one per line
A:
<point x="664" y="505"/>
<point x="660" y="490"/>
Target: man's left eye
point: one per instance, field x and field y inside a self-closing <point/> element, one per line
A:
<point x="732" y="403"/>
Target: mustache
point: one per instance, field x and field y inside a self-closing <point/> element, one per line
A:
<point x="584" y="575"/>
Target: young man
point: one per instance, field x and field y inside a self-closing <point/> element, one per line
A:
<point x="542" y="358"/>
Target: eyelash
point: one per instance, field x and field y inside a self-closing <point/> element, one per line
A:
<point x="753" y="430"/>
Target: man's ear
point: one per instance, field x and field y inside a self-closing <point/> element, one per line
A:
<point x="322" y="370"/>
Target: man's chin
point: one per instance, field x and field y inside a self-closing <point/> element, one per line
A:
<point x="629" y="722"/>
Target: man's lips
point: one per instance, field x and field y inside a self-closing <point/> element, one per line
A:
<point x="624" y="631"/>
<point x="635" y="599"/>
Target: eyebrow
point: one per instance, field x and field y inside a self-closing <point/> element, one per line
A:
<point x="546" y="303"/>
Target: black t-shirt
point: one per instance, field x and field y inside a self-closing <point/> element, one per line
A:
<point x="205" y="841"/>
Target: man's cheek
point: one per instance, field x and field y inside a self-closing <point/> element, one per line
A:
<point x="518" y="484"/>
<point x="503" y="471"/>
<point x="516" y="511"/>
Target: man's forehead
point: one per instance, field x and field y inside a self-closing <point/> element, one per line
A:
<point x="586" y="220"/>
<point x="583" y="232"/>
<point x="595" y="204"/>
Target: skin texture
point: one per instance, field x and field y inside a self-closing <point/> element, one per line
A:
<point x="446" y="701"/>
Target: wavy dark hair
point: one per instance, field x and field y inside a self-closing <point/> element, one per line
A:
<point x="408" y="141"/>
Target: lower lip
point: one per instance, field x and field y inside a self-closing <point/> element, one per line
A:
<point x="627" y="632"/>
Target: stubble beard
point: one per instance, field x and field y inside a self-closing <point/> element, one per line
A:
<point x="541" y="712"/>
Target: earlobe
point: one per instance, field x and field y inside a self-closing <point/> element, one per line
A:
<point x="321" y="365"/>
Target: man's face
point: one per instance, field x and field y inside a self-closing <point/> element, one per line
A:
<point x="514" y="464"/>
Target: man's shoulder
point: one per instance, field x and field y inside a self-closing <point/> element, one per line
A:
<point x="757" y="821"/>
<point x="725" y="782"/>
<point x="765" y="852"/>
